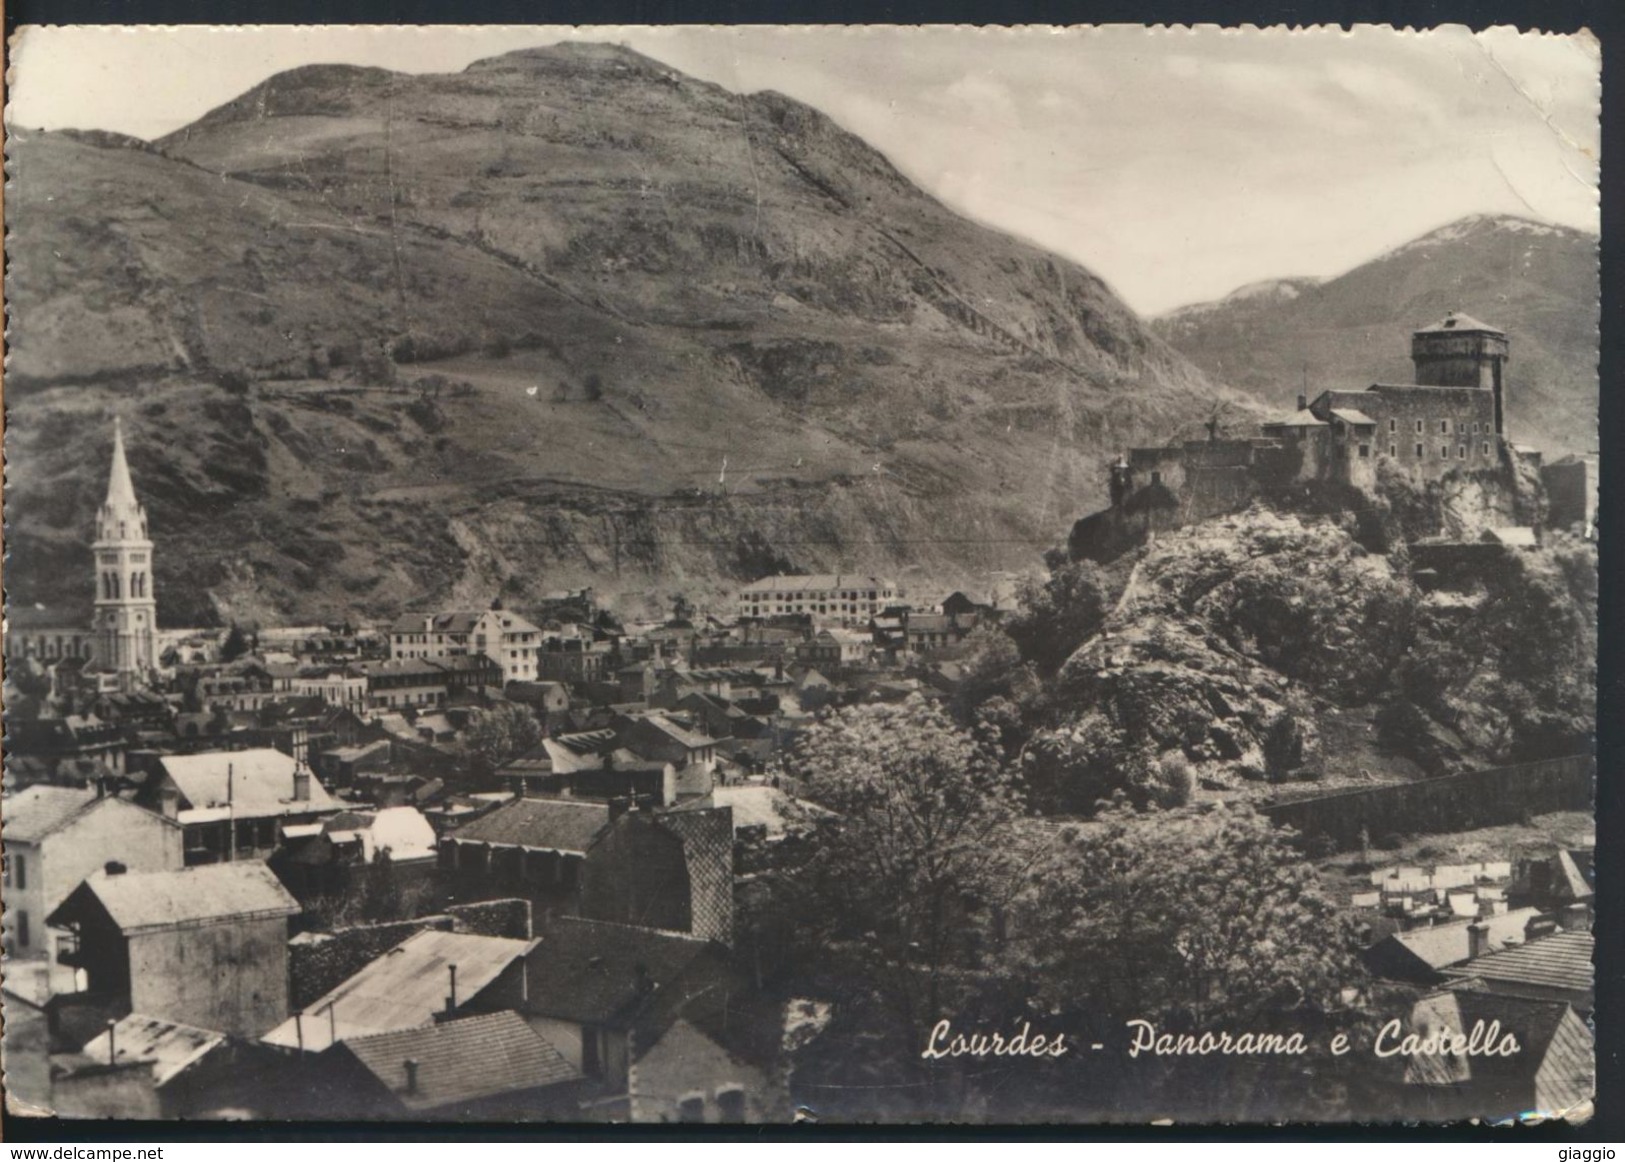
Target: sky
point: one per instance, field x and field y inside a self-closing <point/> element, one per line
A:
<point x="1177" y="164"/>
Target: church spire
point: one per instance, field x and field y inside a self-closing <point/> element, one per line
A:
<point x="120" y="492"/>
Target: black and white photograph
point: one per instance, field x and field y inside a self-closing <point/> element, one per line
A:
<point x="697" y="575"/>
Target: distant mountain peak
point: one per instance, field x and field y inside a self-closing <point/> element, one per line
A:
<point x="571" y="54"/>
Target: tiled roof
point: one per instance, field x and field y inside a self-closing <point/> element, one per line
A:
<point x="592" y="971"/>
<point x="1351" y="416"/>
<point x="403" y="989"/>
<point x="463" y="1060"/>
<point x="678" y="734"/>
<point x="562" y="825"/>
<point x="817" y="581"/>
<point x="1447" y="944"/>
<point x="1458" y="322"/>
<point x="169" y="1045"/>
<point x="1559" y="961"/>
<point x="29" y="816"/>
<point x="1539" y="1026"/>
<point x="261" y="782"/>
<point x="138" y="901"/>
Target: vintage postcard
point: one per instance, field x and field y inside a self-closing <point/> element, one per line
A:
<point x="711" y="575"/>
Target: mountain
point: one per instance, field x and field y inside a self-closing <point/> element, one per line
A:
<point x="1536" y="281"/>
<point x="566" y="317"/>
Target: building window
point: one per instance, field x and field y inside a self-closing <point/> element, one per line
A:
<point x="1418" y="427"/>
<point x="1486" y="449"/>
<point x="1418" y="451"/>
<point x="1393" y="425"/>
<point x="691" y="1108"/>
<point x="1461" y="451"/>
<point x="1444" y="451"/>
<point x="1444" y="427"/>
<point x="1461" y="427"/>
<point x="22" y="872"/>
<point x="1365" y="451"/>
<point x="1393" y="451"/>
<point x="1475" y="429"/>
<point x="22" y="928"/>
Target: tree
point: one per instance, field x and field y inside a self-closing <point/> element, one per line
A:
<point x="1204" y="917"/>
<point x="235" y="645"/>
<point x="1059" y="614"/>
<point x="504" y="732"/>
<point x="917" y="858"/>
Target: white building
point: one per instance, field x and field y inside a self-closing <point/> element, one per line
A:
<point x="835" y="598"/>
<point x="506" y="638"/>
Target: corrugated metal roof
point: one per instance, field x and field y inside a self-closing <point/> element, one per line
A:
<point x="138" y="901"/>
<point x="30" y="815"/>
<point x="169" y="1045"/>
<point x="1561" y="961"/>
<point x="261" y="783"/>
<point x="403" y="989"/>
<point x="563" y="825"/>
<point x="463" y="1060"/>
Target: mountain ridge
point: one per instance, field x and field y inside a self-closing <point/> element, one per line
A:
<point x="663" y="334"/>
<point x="1535" y="280"/>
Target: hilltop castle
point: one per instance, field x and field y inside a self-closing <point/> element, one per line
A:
<point x="1452" y="419"/>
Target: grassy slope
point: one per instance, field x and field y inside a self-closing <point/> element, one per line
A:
<point x="889" y="383"/>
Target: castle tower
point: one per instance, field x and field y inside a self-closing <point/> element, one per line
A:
<point x="1459" y="351"/>
<point x="126" y="619"/>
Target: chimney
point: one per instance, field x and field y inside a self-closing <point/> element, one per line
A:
<point x="1575" y="917"/>
<point x="451" y="998"/>
<point x="301" y="783"/>
<point x="1303" y="401"/>
<point x="114" y="868"/>
<point x="101" y="787"/>
<point x="112" y="1043"/>
<point x="619" y="805"/>
<point x="411" y="1075"/>
<point x="1478" y="939"/>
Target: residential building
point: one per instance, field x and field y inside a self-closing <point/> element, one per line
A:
<point x="841" y="599"/>
<point x="205" y="946"/>
<point x="666" y="869"/>
<point x="1421" y="955"/>
<point x="428" y="976"/>
<point x="505" y="637"/>
<point x="233" y="805"/>
<point x="490" y="1067"/>
<point x="55" y="837"/>
<point x="1552" y="1072"/>
<point x="142" y="1067"/>
<point x="534" y="848"/>
<point x="1557" y="967"/>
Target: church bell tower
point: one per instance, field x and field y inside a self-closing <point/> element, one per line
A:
<point x="126" y="620"/>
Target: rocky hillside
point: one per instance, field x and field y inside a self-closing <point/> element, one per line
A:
<point x="1536" y="281"/>
<point x="566" y="317"/>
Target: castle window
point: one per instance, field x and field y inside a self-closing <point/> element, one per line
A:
<point x="1486" y="449"/>
<point x="1444" y="451"/>
<point x="1393" y="451"/>
<point x="1444" y="427"/>
<point x="1461" y="427"/>
<point x="1418" y="451"/>
<point x="1461" y="451"/>
<point x="1393" y="425"/>
<point x="1418" y="429"/>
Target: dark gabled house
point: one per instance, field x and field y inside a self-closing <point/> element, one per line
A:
<point x="487" y="1067"/>
<point x="532" y="848"/>
<point x="666" y="869"/>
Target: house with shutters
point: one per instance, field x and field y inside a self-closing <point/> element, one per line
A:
<point x="56" y="836"/>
